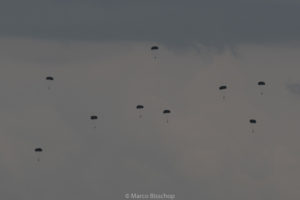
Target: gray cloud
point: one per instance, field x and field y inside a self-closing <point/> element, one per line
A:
<point x="294" y="88"/>
<point x="211" y="23"/>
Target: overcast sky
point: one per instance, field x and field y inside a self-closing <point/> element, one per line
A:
<point x="171" y="22"/>
<point x="99" y="55"/>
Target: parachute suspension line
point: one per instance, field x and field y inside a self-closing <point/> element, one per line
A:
<point x="94" y="125"/>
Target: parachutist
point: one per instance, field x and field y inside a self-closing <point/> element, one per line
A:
<point x="167" y="112"/>
<point x="94" y="118"/>
<point x="153" y="50"/>
<point x="252" y="121"/>
<point x="49" y="78"/>
<point x="140" y="108"/>
<point x="261" y="84"/>
<point x="221" y="88"/>
<point x="38" y="150"/>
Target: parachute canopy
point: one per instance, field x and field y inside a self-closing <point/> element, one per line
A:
<point x="139" y="107"/>
<point x="94" y="117"/>
<point x="49" y="78"/>
<point x="154" y="48"/>
<point x="252" y="121"/>
<point x="261" y="83"/>
<point x="38" y="149"/>
<point x="166" y="111"/>
<point x="223" y="87"/>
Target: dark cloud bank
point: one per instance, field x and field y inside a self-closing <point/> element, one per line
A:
<point x="171" y="22"/>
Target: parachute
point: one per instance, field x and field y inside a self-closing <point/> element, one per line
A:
<point x="140" y="108"/>
<point x="166" y="113"/>
<point x="94" y="117"/>
<point x="38" y="150"/>
<point x="223" y="88"/>
<point x="154" y="48"/>
<point x="49" y="78"/>
<point x="261" y="84"/>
